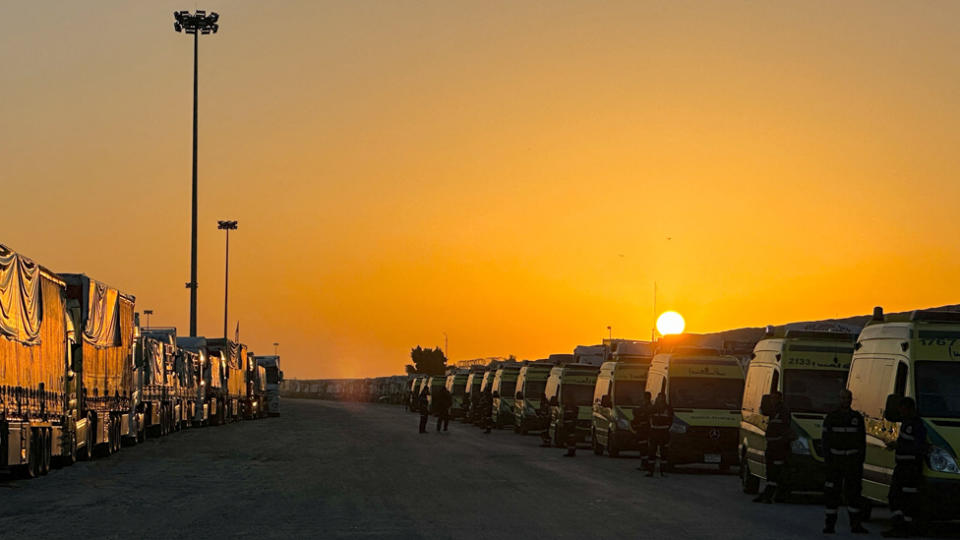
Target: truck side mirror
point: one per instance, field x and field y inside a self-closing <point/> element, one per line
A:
<point x="553" y="401"/>
<point x="891" y="410"/>
<point x="519" y="395"/>
<point x="605" y="401"/>
<point x="766" y="405"/>
<point x="496" y="394"/>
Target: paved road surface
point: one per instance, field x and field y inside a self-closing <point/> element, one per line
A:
<point x="341" y="470"/>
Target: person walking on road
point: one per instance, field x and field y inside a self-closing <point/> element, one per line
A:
<point x="423" y="404"/>
<point x="661" y="419"/>
<point x="442" y="403"/>
<point x="844" y="448"/>
<point x="778" y="437"/>
<point x="911" y="448"/>
<point x="641" y="428"/>
<point x="570" y="413"/>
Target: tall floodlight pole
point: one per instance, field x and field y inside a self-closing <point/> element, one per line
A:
<point x="195" y="23"/>
<point x="226" y="226"/>
<point x="148" y="313"/>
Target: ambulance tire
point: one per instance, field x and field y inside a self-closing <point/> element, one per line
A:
<point x="748" y="482"/>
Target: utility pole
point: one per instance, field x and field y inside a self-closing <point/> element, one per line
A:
<point x="276" y="349"/>
<point x="446" y="347"/>
<point x="195" y="23"/>
<point x="148" y="313"/>
<point x="226" y="226"/>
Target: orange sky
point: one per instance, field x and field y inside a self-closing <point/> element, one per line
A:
<point x="506" y="172"/>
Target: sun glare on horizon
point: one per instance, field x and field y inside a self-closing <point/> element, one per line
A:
<point x="670" y="322"/>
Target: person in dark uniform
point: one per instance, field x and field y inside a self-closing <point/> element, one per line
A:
<point x="844" y="448"/>
<point x="570" y="413"/>
<point x="423" y="404"/>
<point x="778" y="438"/>
<point x="911" y="447"/>
<point x="443" y="401"/>
<point x="486" y="410"/>
<point x="661" y="418"/>
<point x="641" y="428"/>
<point x="543" y="421"/>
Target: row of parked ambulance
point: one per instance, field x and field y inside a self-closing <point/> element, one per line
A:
<point x="717" y="397"/>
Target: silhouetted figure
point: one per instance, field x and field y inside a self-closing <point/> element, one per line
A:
<point x="844" y="448"/>
<point x="570" y="414"/>
<point x="543" y="421"/>
<point x="423" y="403"/>
<point x="486" y="410"/>
<point x="911" y="448"/>
<point x="661" y="419"/>
<point x="442" y="401"/>
<point x="641" y="428"/>
<point x="775" y="457"/>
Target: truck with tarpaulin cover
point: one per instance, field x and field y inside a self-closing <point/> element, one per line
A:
<point x="158" y="393"/>
<point x="274" y="377"/>
<point x="39" y="406"/>
<point x="102" y="359"/>
<point x="211" y="393"/>
<point x="256" y="387"/>
<point x="232" y="357"/>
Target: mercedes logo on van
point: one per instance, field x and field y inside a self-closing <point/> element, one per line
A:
<point x="714" y="434"/>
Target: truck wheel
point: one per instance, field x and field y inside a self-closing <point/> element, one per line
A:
<point x="748" y="482"/>
<point x="86" y="452"/>
<point x="47" y="450"/>
<point x="612" y="448"/>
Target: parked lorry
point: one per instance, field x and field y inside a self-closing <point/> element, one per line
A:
<point x="39" y="403"/>
<point x="101" y="358"/>
<point x="274" y="377"/>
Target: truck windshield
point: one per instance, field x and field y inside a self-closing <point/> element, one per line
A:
<point x="534" y="389"/>
<point x="577" y="394"/>
<point x="813" y="390"/>
<point x="629" y="393"/>
<point x="938" y="389"/>
<point x="508" y="388"/>
<point x="705" y="393"/>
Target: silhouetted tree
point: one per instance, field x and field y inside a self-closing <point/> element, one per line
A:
<point x="428" y="361"/>
<point x="410" y="369"/>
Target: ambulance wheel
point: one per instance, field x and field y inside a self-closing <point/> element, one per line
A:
<point x="612" y="445"/>
<point x="748" y="482"/>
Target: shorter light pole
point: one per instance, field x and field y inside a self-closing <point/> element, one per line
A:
<point x="276" y="349"/>
<point x="226" y="226"/>
<point x="148" y="313"/>
<point x="446" y="346"/>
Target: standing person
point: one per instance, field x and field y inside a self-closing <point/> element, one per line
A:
<point x="844" y="448"/>
<point x="911" y="447"/>
<point x="423" y="404"/>
<point x="778" y="450"/>
<point x="661" y="418"/>
<point x="570" y="413"/>
<point x="486" y="410"/>
<point x="443" y="401"/>
<point x="543" y="421"/>
<point x="641" y="427"/>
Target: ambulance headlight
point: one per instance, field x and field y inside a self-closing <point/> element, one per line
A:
<point x="622" y="423"/>
<point x="940" y="460"/>
<point x="800" y="446"/>
<point x="679" y="426"/>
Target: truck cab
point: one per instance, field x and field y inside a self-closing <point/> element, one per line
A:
<point x="456" y="384"/>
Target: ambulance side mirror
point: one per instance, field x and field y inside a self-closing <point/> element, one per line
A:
<point x="496" y="394"/>
<point x="553" y="401"/>
<point x="605" y="401"/>
<point x="519" y="395"/>
<point x="766" y="405"/>
<point x="891" y="410"/>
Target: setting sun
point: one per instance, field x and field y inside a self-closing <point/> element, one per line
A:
<point x="670" y="322"/>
